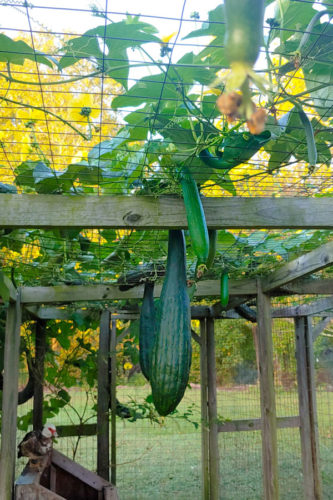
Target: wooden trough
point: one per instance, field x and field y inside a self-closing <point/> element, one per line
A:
<point x="62" y="479"/>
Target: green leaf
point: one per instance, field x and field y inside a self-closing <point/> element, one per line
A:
<point x="7" y="188"/>
<point x="150" y="89"/>
<point x="294" y="18"/>
<point x="16" y="52"/>
<point x="4" y="290"/>
<point x="116" y="38"/>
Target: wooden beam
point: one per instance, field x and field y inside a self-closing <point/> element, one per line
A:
<point x="103" y="398"/>
<point x="307" y="409"/>
<point x="313" y="308"/>
<point x="214" y="460"/>
<point x="40" y="344"/>
<point x="204" y="412"/>
<point x="85" y="293"/>
<point x="10" y="399"/>
<point x="166" y="212"/>
<point x="305" y="264"/>
<point x="76" y="430"/>
<point x="113" y="400"/>
<point x="206" y="288"/>
<point x="267" y="397"/>
<point x="320" y="327"/>
<point x="9" y="285"/>
<point x="255" y="424"/>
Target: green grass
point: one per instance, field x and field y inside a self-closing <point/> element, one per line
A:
<point x="157" y="462"/>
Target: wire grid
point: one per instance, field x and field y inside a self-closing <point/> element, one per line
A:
<point x="59" y="135"/>
<point x="323" y="349"/>
<point x="64" y="146"/>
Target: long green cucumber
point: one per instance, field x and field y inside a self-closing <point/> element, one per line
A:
<point x="171" y="356"/>
<point x="147" y="330"/>
<point x="195" y="216"/>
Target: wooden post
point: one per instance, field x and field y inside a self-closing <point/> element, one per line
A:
<point x="204" y="412"/>
<point x="103" y="397"/>
<point x="267" y="397"/>
<point x="113" y="384"/>
<point x="214" y="461"/>
<point x="10" y="399"/>
<point x="307" y="409"/>
<point x="39" y="374"/>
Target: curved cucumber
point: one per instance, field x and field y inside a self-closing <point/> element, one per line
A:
<point x="147" y="330"/>
<point x="171" y="356"/>
<point x="224" y="289"/>
<point x="195" y="216"/>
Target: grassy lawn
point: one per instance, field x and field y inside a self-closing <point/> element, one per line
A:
<point x="164" y="461"/>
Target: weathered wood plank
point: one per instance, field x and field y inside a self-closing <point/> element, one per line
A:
<point x="40" y="344"/>
<point x="307" y="409"/>
<point x="167" y="212"/>
<point x="103" y="398"/>
<point x="10" y="398"/>
<point x="113" y="400"/>
<point x="255" y="424"/>
<point x="320" y="327"/>
<point x="267" y="397"/>
<point x="76" y="430"/>
<point x="79" y="293"/>
<point x="204" y="412"/>
<point x="308" y="263"/>
<point x="35" y="491"/>
<point x="214" y="459"/>
<point x="85" y="475"/>
<point x="312" y="308"/>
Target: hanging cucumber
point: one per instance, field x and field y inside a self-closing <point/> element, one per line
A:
<point x="195" y="216"/>
<point x="171" y="355"/>
<point x="243" y="39"/>
<point x="224" y="289"/>
<point x="212" y="234"/>
<point x="147" y="330"/>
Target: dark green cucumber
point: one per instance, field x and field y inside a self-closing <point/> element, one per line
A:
<point x="171" y="356"/>
<point x="212" y="234"/>
<point x="224" y="289"/>
<point x="195" y="216"/>
<point x="147" y="329"/>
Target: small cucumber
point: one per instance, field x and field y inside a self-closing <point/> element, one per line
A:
<point x="224" y="289"/>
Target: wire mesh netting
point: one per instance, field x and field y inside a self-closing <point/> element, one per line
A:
<point x="99" y="101"/>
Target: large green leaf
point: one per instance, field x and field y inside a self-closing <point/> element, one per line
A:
<point x="107" y="46"/>
<point x="16" y="51"/>
<point x="292" y="18"/>
<point x="213" y="54"/>
<point x="318" y="68"/>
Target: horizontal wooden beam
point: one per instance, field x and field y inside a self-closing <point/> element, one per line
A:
<point x="76" y="430"/>
<point x="165" y="212"/>
<point x="313" y="308"/>
<point x="85" y="293"/>
<point x="255" y="424"/>
<point x="305" y="264"/>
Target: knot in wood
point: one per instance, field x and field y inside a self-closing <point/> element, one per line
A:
<point x="131" y="218"/>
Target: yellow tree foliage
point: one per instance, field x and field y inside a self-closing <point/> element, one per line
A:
<point x="29" y="133"/>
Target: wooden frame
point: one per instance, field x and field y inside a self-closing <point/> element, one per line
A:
<point x="307" y="409"/>
<point x="164" y="212"/>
